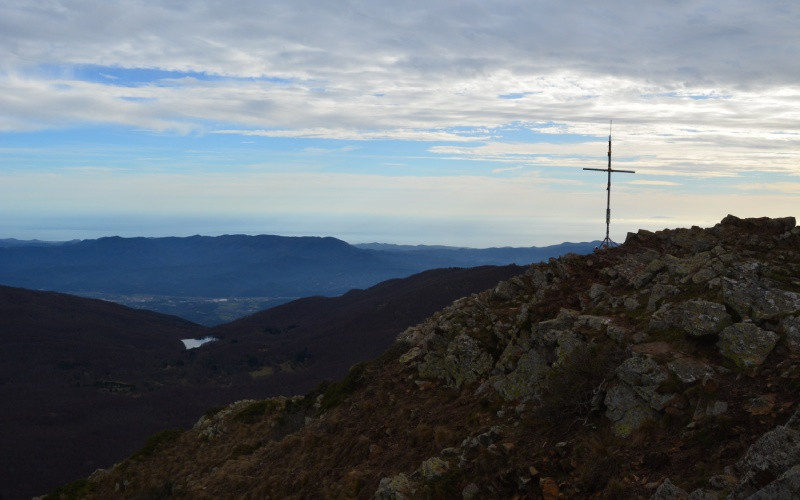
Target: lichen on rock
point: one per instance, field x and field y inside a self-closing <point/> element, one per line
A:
<point x="746" y="344"/>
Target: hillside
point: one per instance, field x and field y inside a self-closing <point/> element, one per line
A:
<point x="84" y="382"/>
<point x="78" y="380"/>
<point x="665" y="366"/>
<point x="214" y="280"/>
<point x="319" y="338"/>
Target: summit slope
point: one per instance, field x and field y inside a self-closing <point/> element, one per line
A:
<point x="666" y="366"/>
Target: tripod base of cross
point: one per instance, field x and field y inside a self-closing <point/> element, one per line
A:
<point x="607" y="243"/>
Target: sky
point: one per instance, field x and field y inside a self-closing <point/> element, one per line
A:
<point x="464" y="123"/>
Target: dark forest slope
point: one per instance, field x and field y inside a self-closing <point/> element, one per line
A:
<point x="84" y="382"/>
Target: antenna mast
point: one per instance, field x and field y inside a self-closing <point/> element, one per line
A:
<point x="607" y="241"/>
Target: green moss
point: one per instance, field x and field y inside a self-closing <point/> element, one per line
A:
<point x="254" y="411"/>
<point x="335" y="392"/>
<point x="242" y="450"/>
<point x="214" y="410"/>
<point x="156" y="442"/>
<point x="74" y="490"/>
<point x="264" y="371"/>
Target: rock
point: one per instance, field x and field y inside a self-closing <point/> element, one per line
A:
<point x="433" y="468"/>
<point x="746" y="344"/>
<point x="768" y="458"/>
<point x="631" y="303"/>
<point x="722" y="482"/>
<point x="591" y="322"/>
<point x="760" y="405"/>
<point x="641" y="371"/>
<point x="626" y="410"/>
<point x="712" y="409"/>
<point x="775" y="226"/>
<point x="786" y="487"/>
<point x="649" y="272"/>
<point x="505" y="290"/>
<point x="524" y="380"/>
<point x="470" y="491"/>
<point x="549" y="488"/>
<point x="693" y="240"/>
<point x="658" y="293"/>
<point x="668" y="491"/>
<point x="596" y="292"/>
<point x="411" y="355"/>
<point x="695" y="317"/>
<point x="703" y="494"/>
<point x="463" y="364"/>
<point x="689" y="370"/>
<point x="644" y="375"/>
<point x="755" y="297"/>
<point x="564" y="321"/>
<point x="394" y="488"/>
<point x="567" y="342"/>
<point x="790" y="326"/>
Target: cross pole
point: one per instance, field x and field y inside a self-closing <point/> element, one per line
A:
<point x="607" y="242"/>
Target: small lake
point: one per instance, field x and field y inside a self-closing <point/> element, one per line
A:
<point x="193" y="343"/>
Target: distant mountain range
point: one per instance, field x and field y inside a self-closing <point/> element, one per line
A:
<point x="183" y="276"/>
<point x="84" y="382"/>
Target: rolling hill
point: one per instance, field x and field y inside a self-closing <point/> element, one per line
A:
<point x="85" y="381"/>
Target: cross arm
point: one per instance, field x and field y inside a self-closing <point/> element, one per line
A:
<point x="611" y="170"/>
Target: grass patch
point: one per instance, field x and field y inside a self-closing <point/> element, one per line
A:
<point x="156" y="442"/>
<point x="262" y="372"/>
<point x="74" y="490"/>
<point x="333" y="393"/>
<point x="255" y="411"/>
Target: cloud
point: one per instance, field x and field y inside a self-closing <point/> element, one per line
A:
<point x="653" y="183"/>
<point x="791" y="188"/>
<point x="701" y="92"/>
<point x="507" y="169"/>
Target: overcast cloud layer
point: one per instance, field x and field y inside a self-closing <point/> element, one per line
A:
<point x="469" y="121"/>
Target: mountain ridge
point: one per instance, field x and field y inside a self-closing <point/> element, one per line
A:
<point x="178" y="275"/>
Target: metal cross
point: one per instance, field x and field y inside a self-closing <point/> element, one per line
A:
<point x="607" y="242"/>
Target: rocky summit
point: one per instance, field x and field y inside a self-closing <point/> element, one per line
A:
<point x="666" y="368"/>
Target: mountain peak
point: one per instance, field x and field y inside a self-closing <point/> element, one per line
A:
<point x="665" y="366"/>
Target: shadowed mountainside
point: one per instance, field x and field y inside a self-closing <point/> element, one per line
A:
<point x="76" y="377"/>
<point x="84" y="381"/>
<point x="667" y="365"/>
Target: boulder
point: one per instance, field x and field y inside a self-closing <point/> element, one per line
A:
<point x="464" y="362"/>
<point x="746" y="344"/>
<point x="786" y="487"/>
<point x="772" y="455"/>
<point x="433" y="468"/>
<point x="756" y="298"/>
<point x="523" y="381"/>
<point x="394" y="488"/>
<point x="668" y="491"/>
<point x="790" y="326"/>
<point x="689" y="370"/>
<point x="695" y="317"/>
<point x="626" y="410"/>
